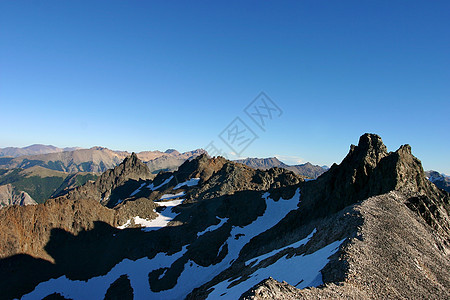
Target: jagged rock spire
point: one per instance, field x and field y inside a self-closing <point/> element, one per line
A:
<point x="368" y="170"/>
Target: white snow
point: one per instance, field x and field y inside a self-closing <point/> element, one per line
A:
<point x="153" y="188"/>
<point x="171" y="203"/>
<point x="95" y="288"/>
<point x="127" y="223"/>
<point x="300" y="271"/>
<point x="164" y="217"/>
<point x="295" y="245"/>
<point x="171" y="196"/>
<point x="190" y="182"/>
<point x="213" y="227"/>
<point x="137" y="191"/>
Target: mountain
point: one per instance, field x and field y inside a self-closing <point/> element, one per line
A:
<point x="33" y="150"/>
<point x="96" y="159"/>
<point x="372" y="227"/>
<point x="37" y="184"/>
<point x="442" y="181"/>
<point x="10" y="196"/>
<point x="308" y="170"/>
<point x="107" y="188"/>
<point x="170" y="160"/>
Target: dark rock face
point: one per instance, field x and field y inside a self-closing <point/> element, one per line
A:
<point x="103" y="188"/>
<point x="367" y="170"/>
<point x="120" y="289"/>
<point x="233" y="177"/>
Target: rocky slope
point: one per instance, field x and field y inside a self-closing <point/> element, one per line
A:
<point x="371" y="227"/>
<point x="308" y="170"/>
<point x="394" y="255"/>
<point x="10" y="196"/>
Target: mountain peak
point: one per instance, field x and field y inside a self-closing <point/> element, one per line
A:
<point x="172" y="151"/>
<point x="371" y="140"/>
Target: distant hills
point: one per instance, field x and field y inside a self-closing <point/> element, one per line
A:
<point x="307" y="169"/>
<point x="95" y="159"/>
<point x="37" y="184"/>
<point x="33" y="150"/>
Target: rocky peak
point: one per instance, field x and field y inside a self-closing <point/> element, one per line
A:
<point x="368" y="153"/>
<point x="201" y="167"/>
<point x="366" y="171"/>
<point x="229" y="177"/>
<point x="172" y="152"/>
<point x="131" y="168"/>
<point x="132" y="162"/>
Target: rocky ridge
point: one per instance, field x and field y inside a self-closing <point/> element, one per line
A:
<point x="307" y="169"/>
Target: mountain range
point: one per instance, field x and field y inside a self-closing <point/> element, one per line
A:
<point x="37" y="184"/>
<point x="33" y="150"/>
<point x="308" y="170"/>
<point x="95" y="159"/>
<point x="371" y="227"/>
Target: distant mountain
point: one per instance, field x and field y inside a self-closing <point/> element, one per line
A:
<point x="442" y="181"/>
<point x="170" y="160"/>
<point x="308" y="170"/>
<point x="10" y="196"/>
<point x="37" y="184"/>
<point x="107" y="188"/>
<point x="33" y="150"/>
<point x="97" y="159"/>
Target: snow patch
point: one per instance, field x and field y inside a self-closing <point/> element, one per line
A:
<point x="164" y="217"/>
<point x="171" y="196"/>
<point x="190" y="182"/>
<point x="300" y="271"/>
<point x="96" y="287"/>
<point x="153" y="188"/>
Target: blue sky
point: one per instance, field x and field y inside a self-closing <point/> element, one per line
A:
<point x="146" y="75"/>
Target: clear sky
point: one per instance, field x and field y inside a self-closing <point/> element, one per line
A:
<point x="147" y="75"/>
